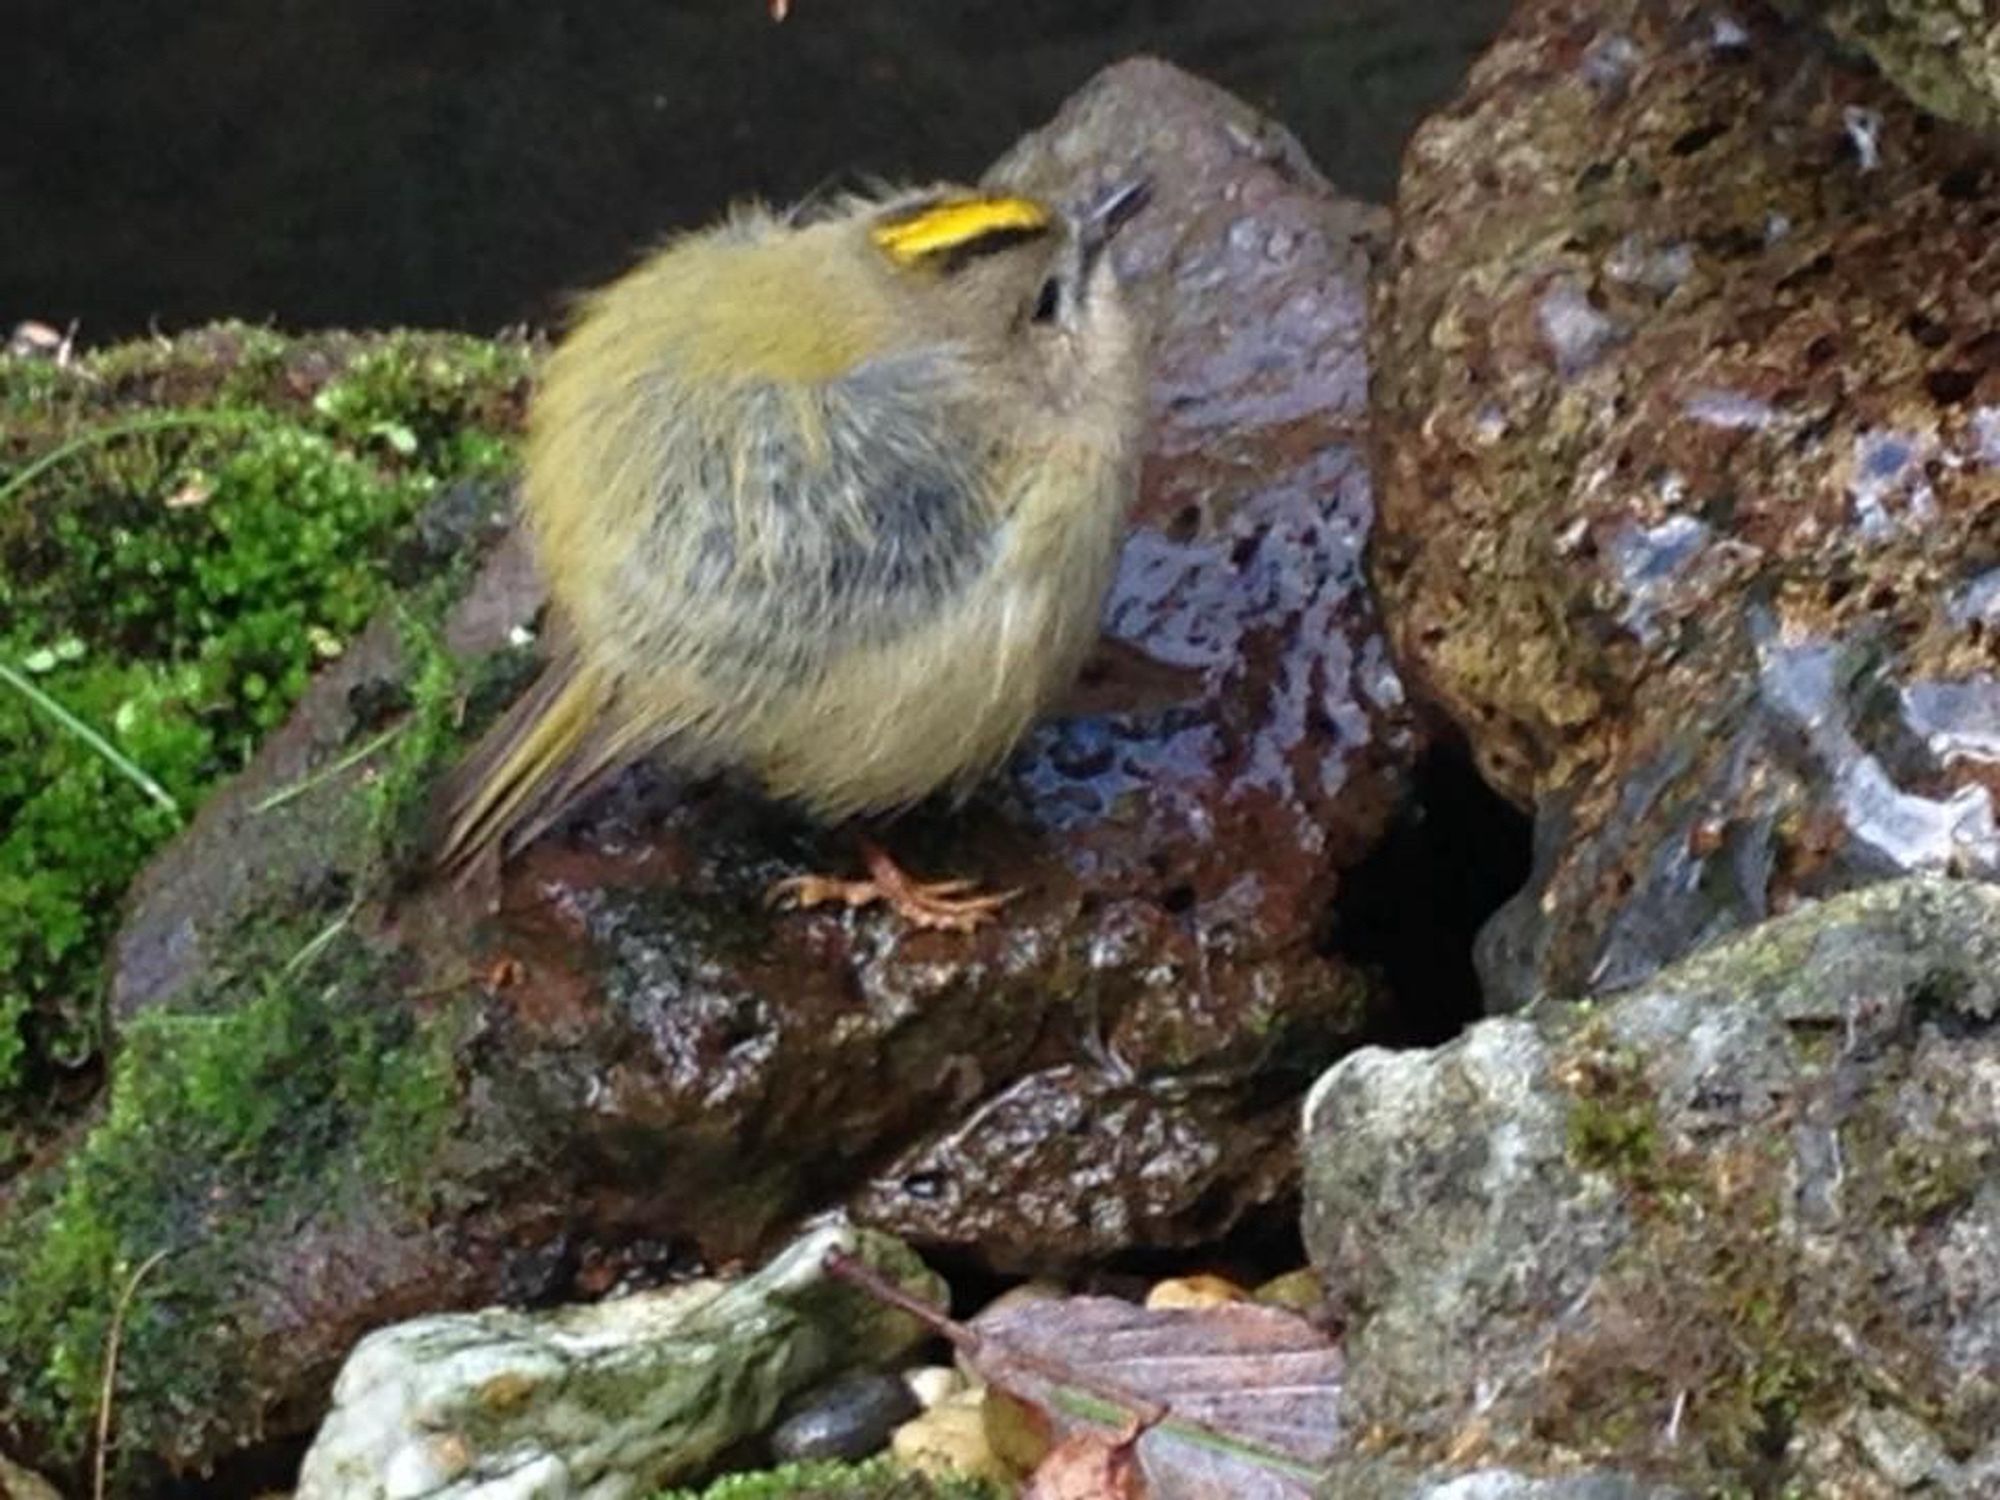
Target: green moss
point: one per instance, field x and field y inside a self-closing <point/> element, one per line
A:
<point x="431" y="732"/>
<point x="1710" y="1313"/>
<point x="1922" y="1180"/>
<point x="878" y="1479"/>
<point x="303" y="1082"/>
<point x="428" y="402"/>
<point x="1705" y="1311"/>
<point x="1614" y="1118"/>
<point x="187" y="530"/>
<point x="297" y="1079"/>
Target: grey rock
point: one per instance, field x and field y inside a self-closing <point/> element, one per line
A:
<point x="604" y="1401"/>
<point x="1751" y="1207"/>
<point x="1367" y="1481"/>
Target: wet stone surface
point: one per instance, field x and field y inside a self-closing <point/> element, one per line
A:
<point x="1688" y="374"/>
<point x="648" y="1070"/>
<point x="849" y="1418"/>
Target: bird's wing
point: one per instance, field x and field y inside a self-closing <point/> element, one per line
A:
<point x="853" y="513"/>
<point x="815" y="522"/>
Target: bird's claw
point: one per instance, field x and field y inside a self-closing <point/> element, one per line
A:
<point x="938" y="905"/>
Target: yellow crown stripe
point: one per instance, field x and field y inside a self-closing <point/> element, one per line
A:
<point x="948" y="226"/>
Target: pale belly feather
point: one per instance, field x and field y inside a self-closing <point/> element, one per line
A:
<point x="943" y="707"/>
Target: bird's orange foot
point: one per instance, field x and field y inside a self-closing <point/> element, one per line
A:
<point x="942" y="905"/>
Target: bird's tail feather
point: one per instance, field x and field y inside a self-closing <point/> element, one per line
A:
<point x="557" y="741"/>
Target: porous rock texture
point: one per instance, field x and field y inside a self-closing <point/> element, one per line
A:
<point x="1687" y="403"/>
<point x="1737" y="1231"/>
<point x="625" y="1064"/>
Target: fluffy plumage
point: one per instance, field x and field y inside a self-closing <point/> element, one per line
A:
<point x="832" y="500"/>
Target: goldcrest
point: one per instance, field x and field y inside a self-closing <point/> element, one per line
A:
<point x="831" y="498"/>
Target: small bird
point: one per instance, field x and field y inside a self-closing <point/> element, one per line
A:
<point x="831" y="498"/>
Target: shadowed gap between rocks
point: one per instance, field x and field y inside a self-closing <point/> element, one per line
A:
<point x="1412" y="909"/>
<point x="271" y="1468"/>
<point x="1265" y="1244"/>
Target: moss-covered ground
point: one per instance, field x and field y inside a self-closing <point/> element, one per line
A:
<point x="228" y="1121"/>
<point x="878" y="1479"/>
<point x="188" y="528"/>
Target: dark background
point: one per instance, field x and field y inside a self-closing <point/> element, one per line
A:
<point x="375" y="162"/>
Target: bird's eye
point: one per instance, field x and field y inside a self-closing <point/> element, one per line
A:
<point x="1049" y="303"/>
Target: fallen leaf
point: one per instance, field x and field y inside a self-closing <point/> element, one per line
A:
<point x="1246" y="1399"/>
<point x="1090" y="1466"/>
<point x="1231" y="1402"/>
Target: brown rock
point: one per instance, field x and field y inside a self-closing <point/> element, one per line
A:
<point x="1175" y="861"/>
<point x="1688" y="406"/>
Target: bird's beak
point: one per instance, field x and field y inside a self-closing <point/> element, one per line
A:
<point x="1113" y="210"/>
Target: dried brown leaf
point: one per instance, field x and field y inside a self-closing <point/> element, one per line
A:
<point x="1237" y="1401"/>
<point x="1090" y="1465"/>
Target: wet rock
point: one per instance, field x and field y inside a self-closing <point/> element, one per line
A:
<point x="1177" y="858"/>
<point x="850" y="1418"/>
<point x="1945" y="54"/>
<point x="397" y="1098"/>
<point x="610" y="1400"/>
<point x="1074" y="1155"/>
<point x="1687" y="385"/>
<point x="1739" y="1227"/>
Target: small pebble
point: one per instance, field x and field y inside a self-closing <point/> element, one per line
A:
<point x="849" y="1418"/>
<point x="1296" y="1291"/>
<point x="1039" y="1290"/>
<point x="950" y="1439"/>
<point x="1195" y="1291"/>
<point x="931" y="1384"/>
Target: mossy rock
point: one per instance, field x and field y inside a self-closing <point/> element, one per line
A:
<point x="1945" y="54"/>
<point x="1750" y="1205"/>
<point x="188" y="529"/>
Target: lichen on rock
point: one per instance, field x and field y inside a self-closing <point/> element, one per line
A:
<point x="1945" y="54"/>
<point x="1735" y="1230"/>
<point x="610" y="1400"/>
